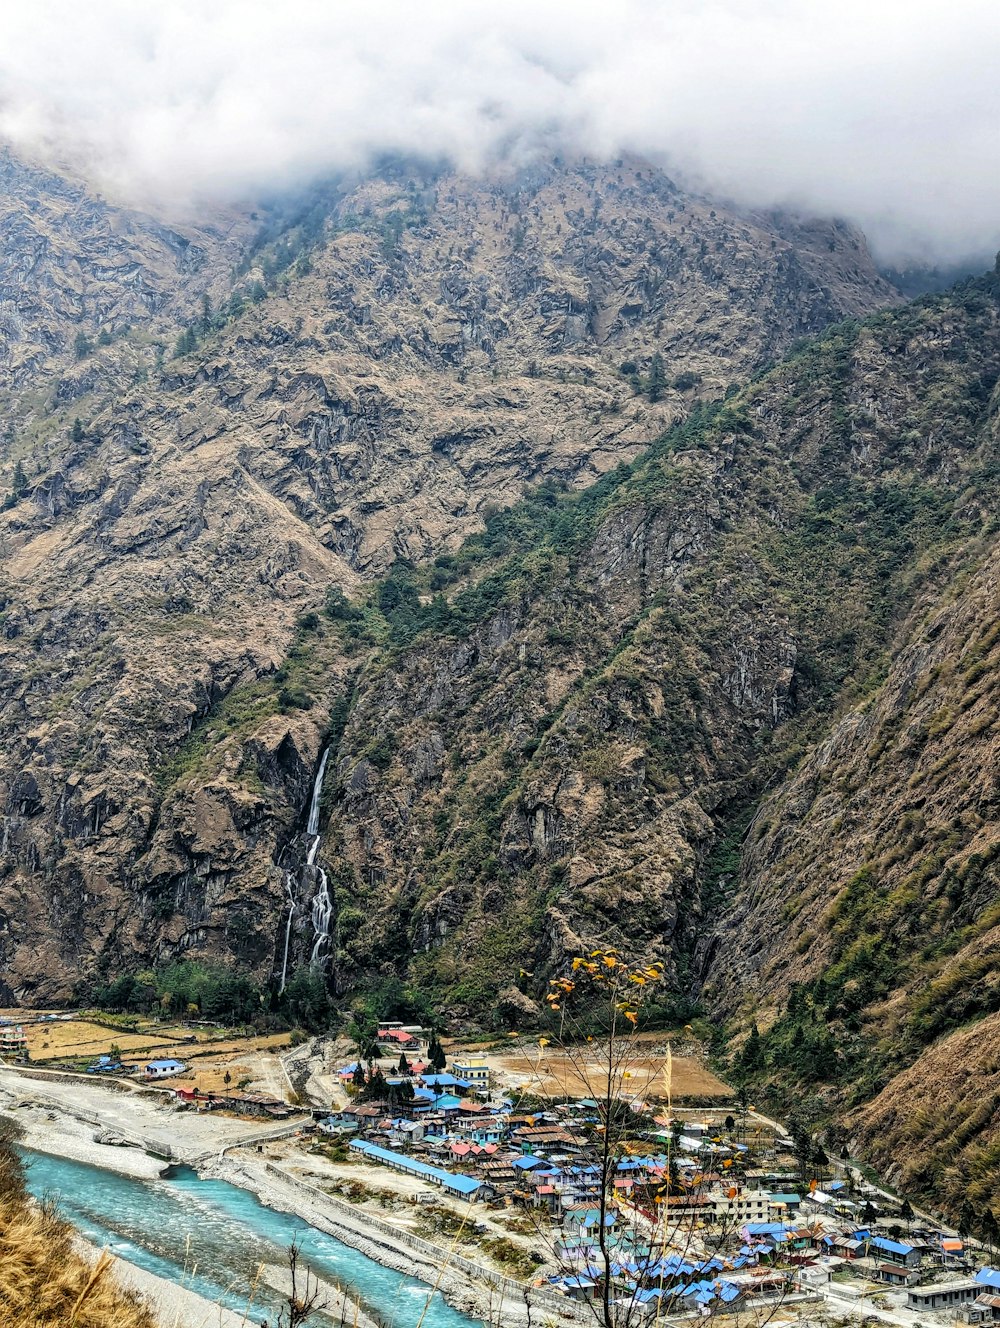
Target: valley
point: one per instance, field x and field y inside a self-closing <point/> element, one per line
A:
<point x="431" y="577"/>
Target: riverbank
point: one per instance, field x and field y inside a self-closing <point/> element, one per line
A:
<point x="175" y="1306"/>
<point x="62" y="1135"/>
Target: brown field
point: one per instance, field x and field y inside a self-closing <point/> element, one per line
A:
<point x="575" y="1074"/>
<point x="209" y="1052"/>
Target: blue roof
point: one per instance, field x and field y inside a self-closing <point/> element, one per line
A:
<point x="890" y="1246"/>
<point x="163" y="1065"/>
<point x="528" y="1162"/>
<point x="988" y="1277"/>
<point x="444" y="1081"/>
<point x="448" y="1179"/>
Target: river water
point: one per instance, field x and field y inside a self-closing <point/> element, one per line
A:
<point x="210" y="1237"/>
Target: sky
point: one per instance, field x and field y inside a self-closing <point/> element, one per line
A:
<point x="885" y="112"/>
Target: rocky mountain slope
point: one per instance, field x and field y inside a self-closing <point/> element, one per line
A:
<point x="261" y="409"/>
<point x="570" y="736"/>
<point x="371" y="475"/>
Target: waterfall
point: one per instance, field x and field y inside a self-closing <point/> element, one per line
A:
<point x="297" y="884"/>
<point x="321" y="910"/>
<point x="292" y="906"/>
<point x="312" y="825"/>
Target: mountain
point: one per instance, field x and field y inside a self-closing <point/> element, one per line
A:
<point x="570" y="724"/>
<point x="627" y="566"/>
<point x="264" y="407"/>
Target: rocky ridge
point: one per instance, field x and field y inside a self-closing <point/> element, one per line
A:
<point x="366" y="380"/>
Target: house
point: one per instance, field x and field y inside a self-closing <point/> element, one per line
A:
<point x="105" y="1065"/>
<point x="895" y="1274"/>
<point x="12" y="1040"/>
<point x="943" y="1295"/>
<point x="477" y="1073"/>
<point x="908" y="1256"/>
<point x="984" y="1309"/>
<point x="745" y="1206"/>
<point x="785" y="1201"/>
<point x="575" y="1287"/>
<point x="989" y="1279"/>
<point x="399" y="1038"/>
<point x="466" y="1187"/>
<point x="164" y="1069"/>
<point x="584" y="1221"/>
<point x="443" y="1082"/>
<point x="335" y="1125"/>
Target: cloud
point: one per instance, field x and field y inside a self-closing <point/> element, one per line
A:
<point x="884" y="112"/>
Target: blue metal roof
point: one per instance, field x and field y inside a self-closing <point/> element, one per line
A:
<point x="989" y="1277"/>
<point x="447" y="1102"/>
<point x="164" y="1064"/>
<point x="444" y="1081"/>
<point x="890" y="1246"/>
<point x="448" y="1179"/>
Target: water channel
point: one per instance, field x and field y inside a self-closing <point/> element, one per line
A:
<point x="210" y="1237"/>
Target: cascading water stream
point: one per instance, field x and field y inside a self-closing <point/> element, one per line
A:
<point x="321" y="910"/>
<point x="322" y="906"/>
<point x="292" y="906"/>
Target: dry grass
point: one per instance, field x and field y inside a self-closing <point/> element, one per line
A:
<point x="80" y="1039"/>
<point x="45" y="1283"/>
<point x="557" y="1072"/>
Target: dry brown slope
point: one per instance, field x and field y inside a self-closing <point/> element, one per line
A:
<point x="561" y="772"/>
<point x="383" y="395"/>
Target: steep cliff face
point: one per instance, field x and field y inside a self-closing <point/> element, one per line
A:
<point x="367" y="378"/>
<point x="78" y="273"/>
<point x="602" y="689"/>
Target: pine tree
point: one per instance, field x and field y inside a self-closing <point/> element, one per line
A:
<point x="435" y="1055"/>
<point x="20" y="481"/>
<point x="751" y="1057"/>
<point x="657" y="380"/>
<point x="77" y="434"/>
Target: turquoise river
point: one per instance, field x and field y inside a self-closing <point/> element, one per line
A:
<point x="210" y="1236"/>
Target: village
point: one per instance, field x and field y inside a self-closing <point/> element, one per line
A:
<point x="699" y="1208"/>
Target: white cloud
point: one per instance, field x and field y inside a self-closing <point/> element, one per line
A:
<point x="882" y="111"/>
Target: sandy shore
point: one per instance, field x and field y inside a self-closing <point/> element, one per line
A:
<point x="49" y="1131"/>
<point x="176" y="1306"/>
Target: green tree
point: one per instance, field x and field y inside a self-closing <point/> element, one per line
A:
<point x="752" y="1055"/>
<point x="435" y="1055"/>
<point x="81" y="345"/>
<point x="657" y="381"/>
<point x="77" y="434"/>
